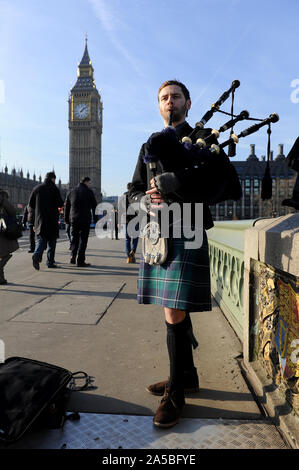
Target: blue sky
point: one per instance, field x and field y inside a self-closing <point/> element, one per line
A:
<point x="134" y="46"/>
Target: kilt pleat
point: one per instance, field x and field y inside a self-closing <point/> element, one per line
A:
<point x="182" y="282"/>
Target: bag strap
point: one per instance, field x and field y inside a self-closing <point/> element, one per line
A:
<point x="79" y="375"/>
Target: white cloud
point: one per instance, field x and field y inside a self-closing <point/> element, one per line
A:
<point x="109" y="20"/>
<point x="111" y="23"/>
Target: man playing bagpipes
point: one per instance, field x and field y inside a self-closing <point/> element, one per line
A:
<point x="170" y="171"/>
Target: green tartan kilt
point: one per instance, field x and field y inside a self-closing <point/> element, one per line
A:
<point x="182" y="282"/>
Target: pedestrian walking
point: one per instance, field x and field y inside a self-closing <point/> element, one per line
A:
<point x="7" y="247"/>
<point x="68" y="233"/>
<point x="131" y="242"/>
<point x="181" y="284"/>
<point x="67" y="229"/>
<point x="114" y="223"/>
<point x="28" y="217"/>
<point x="80" y="206"/>
<point x="45" y="200"/>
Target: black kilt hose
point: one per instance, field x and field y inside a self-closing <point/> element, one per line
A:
<point x="182" y="282"/>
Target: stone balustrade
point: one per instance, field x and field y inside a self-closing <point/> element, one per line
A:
<point x="226" y="249"/>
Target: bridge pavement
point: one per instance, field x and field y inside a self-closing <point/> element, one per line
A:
<point x="88" y="319"/>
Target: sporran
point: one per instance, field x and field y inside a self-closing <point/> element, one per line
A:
<point x="154" y="247"/>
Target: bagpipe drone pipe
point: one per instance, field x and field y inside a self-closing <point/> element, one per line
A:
<point x="199" y="161"/>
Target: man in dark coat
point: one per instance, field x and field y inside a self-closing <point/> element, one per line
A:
<point x="182" y="283"/>
<point x="45" y="200"/>
<point x="28" y="216"/>
<point x="80" y="205"/>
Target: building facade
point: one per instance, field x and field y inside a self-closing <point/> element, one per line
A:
<point x="85" y="128"/>
<point x="251" y="205"/>
<point x="19" y="187"/>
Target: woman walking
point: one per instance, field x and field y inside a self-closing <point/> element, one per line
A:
<point x="7" y="247"/>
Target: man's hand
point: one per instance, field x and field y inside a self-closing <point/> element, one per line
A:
<point x="167" y="183"/>
<point x="156" y="197"/>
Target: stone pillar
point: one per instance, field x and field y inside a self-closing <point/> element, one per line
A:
<point x="271" y="317"/>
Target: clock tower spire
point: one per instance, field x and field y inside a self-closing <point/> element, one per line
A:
<point x="85" y="127"/>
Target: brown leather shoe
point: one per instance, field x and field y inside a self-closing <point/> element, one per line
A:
<point x="170" y="409"/>
<point x="191" y="384"/>
<point x="157" y="388"/>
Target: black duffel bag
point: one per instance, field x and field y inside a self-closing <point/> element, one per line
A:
<point x="33" y="395"/>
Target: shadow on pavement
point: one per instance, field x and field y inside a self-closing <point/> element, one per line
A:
<point x="90" y="403"/>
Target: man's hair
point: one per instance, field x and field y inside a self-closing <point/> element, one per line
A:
<point x="175" y="82"/>
<point x="85" y="179"/>
<point x="50" y="175"/>
<point x="129" y="186"/>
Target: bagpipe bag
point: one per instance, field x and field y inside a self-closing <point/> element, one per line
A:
<point x="205" y="176"/>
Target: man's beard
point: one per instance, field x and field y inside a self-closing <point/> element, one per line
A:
<point x="178" y="114"/>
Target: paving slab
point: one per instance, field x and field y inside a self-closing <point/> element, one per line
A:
<point x="76" y="302"/>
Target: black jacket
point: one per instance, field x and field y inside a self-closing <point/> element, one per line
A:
<point x="79" y="204"/>
<point x="45" y="200"/>
<point x="211" y="182"/>
<point x="293" y="156"/>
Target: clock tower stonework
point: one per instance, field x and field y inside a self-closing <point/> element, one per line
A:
<point x="85" y="128"/>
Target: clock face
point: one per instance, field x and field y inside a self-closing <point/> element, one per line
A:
<point x="81" y="110"/>
<point x="99" y="113"/>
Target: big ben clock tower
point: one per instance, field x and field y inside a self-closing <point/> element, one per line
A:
<point x="85" y="125"/>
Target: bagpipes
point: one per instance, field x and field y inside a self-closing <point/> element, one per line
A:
<point x="166" y="148"/>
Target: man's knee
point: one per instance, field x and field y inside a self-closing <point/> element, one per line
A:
<point x="173" y="315"/>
